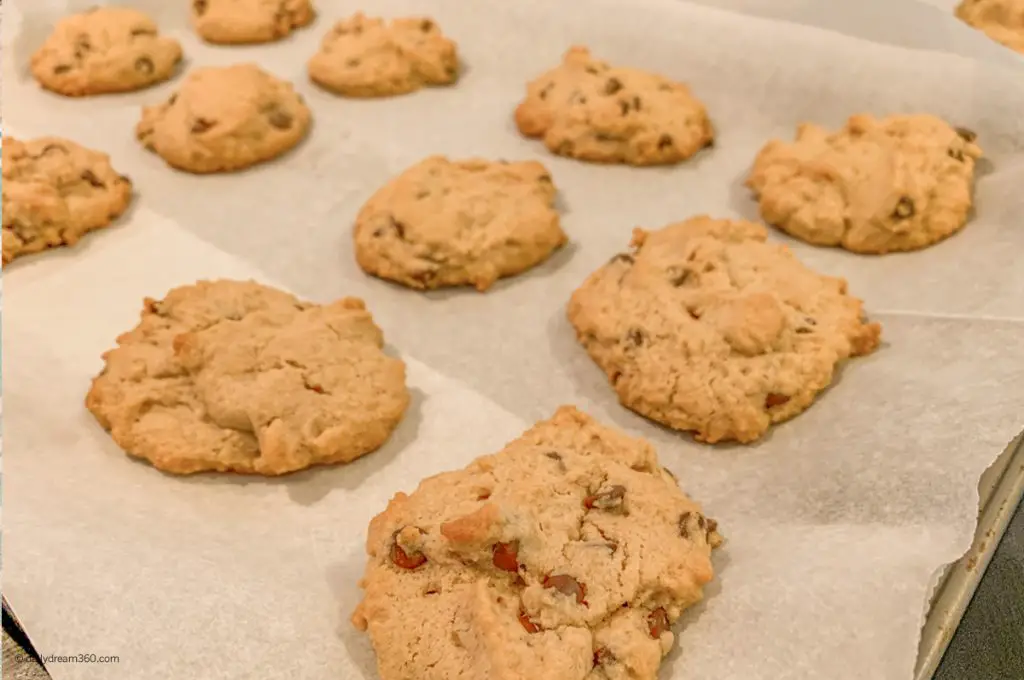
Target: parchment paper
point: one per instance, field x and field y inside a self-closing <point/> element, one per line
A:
<point x="836" y="522"/>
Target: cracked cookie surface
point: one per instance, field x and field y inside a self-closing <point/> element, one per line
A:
<point x="708" y="328"/>
<point x="1001" y="20"/>
<point x="875" y="186"/>
<point x="567" y="555"/>
<point x="249" y="21"/>
<point x="589" y="110"/>
<point x="452" y="223"/>
<point x="106" y="49"/>
<point x="224" y="119"/>
<point x="54" y="191"/>
<point x="369" y="57"/>
<point x="235" y="376"/>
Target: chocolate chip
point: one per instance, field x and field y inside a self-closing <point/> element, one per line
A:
<point x="173" y="98"/>
<point x="956" y="154"/>
<point x="543" y="94"/>
<point x="554" y="455"/>
<point x="693" y="312"/>
<point x="142" y="31"/>
<point x="603" y="656"/>
<point x="803" y="331"/>
<point x="199" y="7"/>
<point x="591" y="70"/>
<point x="403" y="559"/>
<point x="426" y="25"/>
<point x="61" y="68"/>
<point x="657" y="622"/>
<point x="904" y="209"/>
<point x="144" y="65"/>
<point x="279" y="118"/>
<point x="712" y="526"/>
<point x="505" y="556"/>
<point x="201" y="125"/>
<point x="527" y="624"/>
<point x="636" y="337"/>
<point x="612" y="500"/>
<point x="967" y="135"/>
<point x="664" y="142"/>
<point x="688" y="521"/>
<point x="622" y="257"/>
<point x="90" y="177"/>
<point x="566" y="585"/>
<point x="398" y="227"/>
<point x="612" y="86"/>
<point x="624" y="106"/>
<point x="773" y="399"/>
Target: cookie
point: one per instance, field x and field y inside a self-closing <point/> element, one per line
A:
<point x="234" y="376"/>
<point x="707" y="328"/>
<point x="453" y="223"/>
<point x="567" y="555"/>
<point x="225" y="119"/>
<point x="238" y="22"/>
<point x="1001" y="20"/>
<point x="102" y="50"/>
<point x="591" y="111"/>
<point x="54" y="191"/>
<point x="875" y="186"/>
<point x="369" y="57"/>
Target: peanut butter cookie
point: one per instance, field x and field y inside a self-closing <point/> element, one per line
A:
<point x="706" y="327"/>
<point x="1001" y="20"/>
<point x="54" y="191"/>
<point x="589" y="110"/>
<point x="453" y="223"/>
<point x="875" y="186"/>
<point x="234" y="376"/>
<point x="102" y="50"/>
<point x="567" y="555"/>
<point x="225" y="119"/>
<point x="369" y="57"/>
<point x="233" y="22"/>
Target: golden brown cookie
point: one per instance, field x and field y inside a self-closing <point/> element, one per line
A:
<point x="706" y="327"/>
<point x="224" y="119"/>
<point x="568" y="555"/>
<point x="874" y="186"/>
<point x="235" y="22"/>
<point x="1001" y="20"/>
<point x="54" y="191"/>
<point x="454" y="223"/>
<point x="370" y="57"/>
<point x="105" y="49"/>
<point x="592" y="111"/>
<point x="234" y="376"/>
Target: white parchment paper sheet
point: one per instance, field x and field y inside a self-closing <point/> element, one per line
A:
<point x="835" y="523"/>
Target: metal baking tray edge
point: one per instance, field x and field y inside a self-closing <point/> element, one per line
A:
<point x="1000" y="492"/>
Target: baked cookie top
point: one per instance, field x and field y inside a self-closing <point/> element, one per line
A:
<point x="234" y="376"/>
<point x="592" y="111"/>
<point x="875" y="186"/>
<point x="567" y="555"/>
<point x="370" y="57"/>
<point x="224" y="119"/>
<point x="105" y="49"/>
<point x="1001" y="20"/>
<point x="249" y="21"/>
<point x="54" y="191"/>
<point x="707" y="328"/>
<point x="452" y="223"/>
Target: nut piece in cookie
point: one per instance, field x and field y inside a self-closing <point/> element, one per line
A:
<point x="509" y="572"/>
<point x="708" y="328"/>
<point x="54" y="191"/>
<point x="237" y="22"/>
<point x="369" y="57"/>
<point x="875" y="186"/>
<point x="453" y="223"/>
<point x="1001" y="20"/>
<point x="591" y="111"/>
<point x="105" y="49"/>
<point x="225" y="119"/>
<point x="234" y="376"/>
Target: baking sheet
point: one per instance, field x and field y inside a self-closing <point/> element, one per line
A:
<point x="836" y="522"/>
